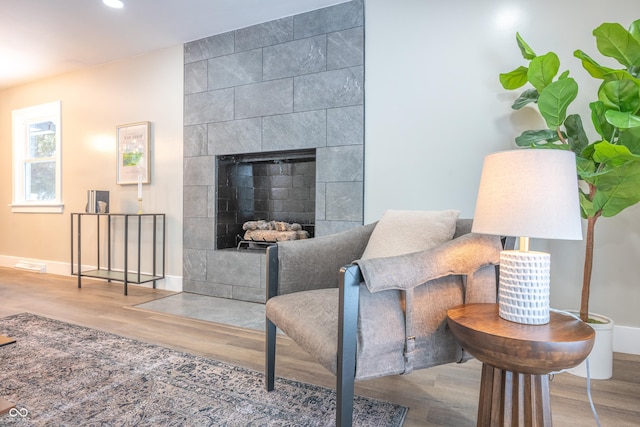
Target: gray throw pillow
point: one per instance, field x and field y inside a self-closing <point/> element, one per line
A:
<point x="402" y="232"/>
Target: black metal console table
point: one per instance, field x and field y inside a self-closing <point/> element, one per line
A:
<point x="125" y="275"/>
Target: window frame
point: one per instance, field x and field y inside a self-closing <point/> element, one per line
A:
<point x="21" y="119"/>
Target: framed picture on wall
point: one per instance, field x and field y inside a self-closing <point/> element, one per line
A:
<point x="134" y="154"/>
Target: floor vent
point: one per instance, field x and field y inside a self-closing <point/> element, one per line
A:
<point x="36" y="267"/>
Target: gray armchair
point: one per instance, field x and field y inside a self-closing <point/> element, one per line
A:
<point x="349" y="314"/>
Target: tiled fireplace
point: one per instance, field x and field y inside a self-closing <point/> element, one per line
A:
<point x="294" y="85"/>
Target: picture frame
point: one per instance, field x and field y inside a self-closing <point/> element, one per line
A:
<point x="134" y="153"/>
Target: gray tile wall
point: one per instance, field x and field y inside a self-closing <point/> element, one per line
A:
<point x="292" y="83"/>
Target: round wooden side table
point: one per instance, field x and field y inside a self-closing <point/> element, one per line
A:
<point x="516" y="359"/>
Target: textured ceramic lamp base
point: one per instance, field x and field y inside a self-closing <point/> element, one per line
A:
<point x="523" y="295"/>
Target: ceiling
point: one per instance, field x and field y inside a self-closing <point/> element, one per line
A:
<point x="42" y="38"/>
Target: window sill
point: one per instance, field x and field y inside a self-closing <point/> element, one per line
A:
<point x="37" y="208"/>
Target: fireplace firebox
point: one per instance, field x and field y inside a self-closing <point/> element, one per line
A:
<point x="269" y="186"/>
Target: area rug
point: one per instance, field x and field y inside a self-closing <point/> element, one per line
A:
<point x="59" y="374"/>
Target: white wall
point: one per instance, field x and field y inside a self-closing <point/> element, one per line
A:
<point x="434" y="108"/>
<point x="94" y="101"/>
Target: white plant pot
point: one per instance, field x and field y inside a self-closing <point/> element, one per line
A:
<point x="601" y="356"/>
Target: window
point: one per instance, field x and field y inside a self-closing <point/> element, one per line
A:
<point x="36" y="159"/>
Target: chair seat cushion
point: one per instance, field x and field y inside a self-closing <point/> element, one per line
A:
<point x="309" y="318"/>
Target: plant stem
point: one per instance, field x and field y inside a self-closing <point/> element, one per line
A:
<point x="588" y="260"/>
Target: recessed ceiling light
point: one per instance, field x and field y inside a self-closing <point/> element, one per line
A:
<point x="116" y="4"/>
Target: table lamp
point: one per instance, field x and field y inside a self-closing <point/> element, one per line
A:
<point x="527" y="193"/>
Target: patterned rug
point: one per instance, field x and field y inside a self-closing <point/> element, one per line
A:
<point x="67" y="375"/>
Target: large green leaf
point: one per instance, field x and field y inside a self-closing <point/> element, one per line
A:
<point x="555" y="99"/>
<point x="620" y="75"/>
<point x="622" y="120"/>
<point x="634" y="30"/>
<point x="630" y="138"/>
<point x="613" y="155"/>
<point x="527" y="97"/>
<point x="531" y="138"/>
<point x="600" y="123"/>
<point x="617" y="188"/>
<point x="575" y="131"/>
<point x="514" y="79"/>
<point x="593" y="68"/>
<point x="615" y="42"/>
<point x="584" y="162"/>
<point x="620" y="95"/>
<point x="587" y="209"/>
<point x="525" y="49"/>
<point x="542" y="70"/>
<point x="586" y="166"/>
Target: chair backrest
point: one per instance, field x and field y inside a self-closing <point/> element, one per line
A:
<point x="344" y="248"/>
<point x="322" y="258"/>
<point x="463" y="226"/>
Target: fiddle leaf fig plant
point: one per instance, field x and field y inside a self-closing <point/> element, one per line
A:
<point x="609" y="167"/>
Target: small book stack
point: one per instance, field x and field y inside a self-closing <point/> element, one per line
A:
<point x="97" y="201"/>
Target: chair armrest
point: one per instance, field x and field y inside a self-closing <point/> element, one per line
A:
<point x="349" y="303"/>
<point x="461" y="256"/>
<point x="314" y="263"/>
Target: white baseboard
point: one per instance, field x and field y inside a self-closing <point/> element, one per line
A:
<point x="169" y="283"/>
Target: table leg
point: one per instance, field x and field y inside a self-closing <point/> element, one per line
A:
<point x="79" y="251"/>
<point x="126" y="254"/>
<point x="513" y="399"/>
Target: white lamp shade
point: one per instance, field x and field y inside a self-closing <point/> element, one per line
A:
<point x="529" y="193"/>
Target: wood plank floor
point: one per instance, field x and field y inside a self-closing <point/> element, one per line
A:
<point x="441" y="396"/>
